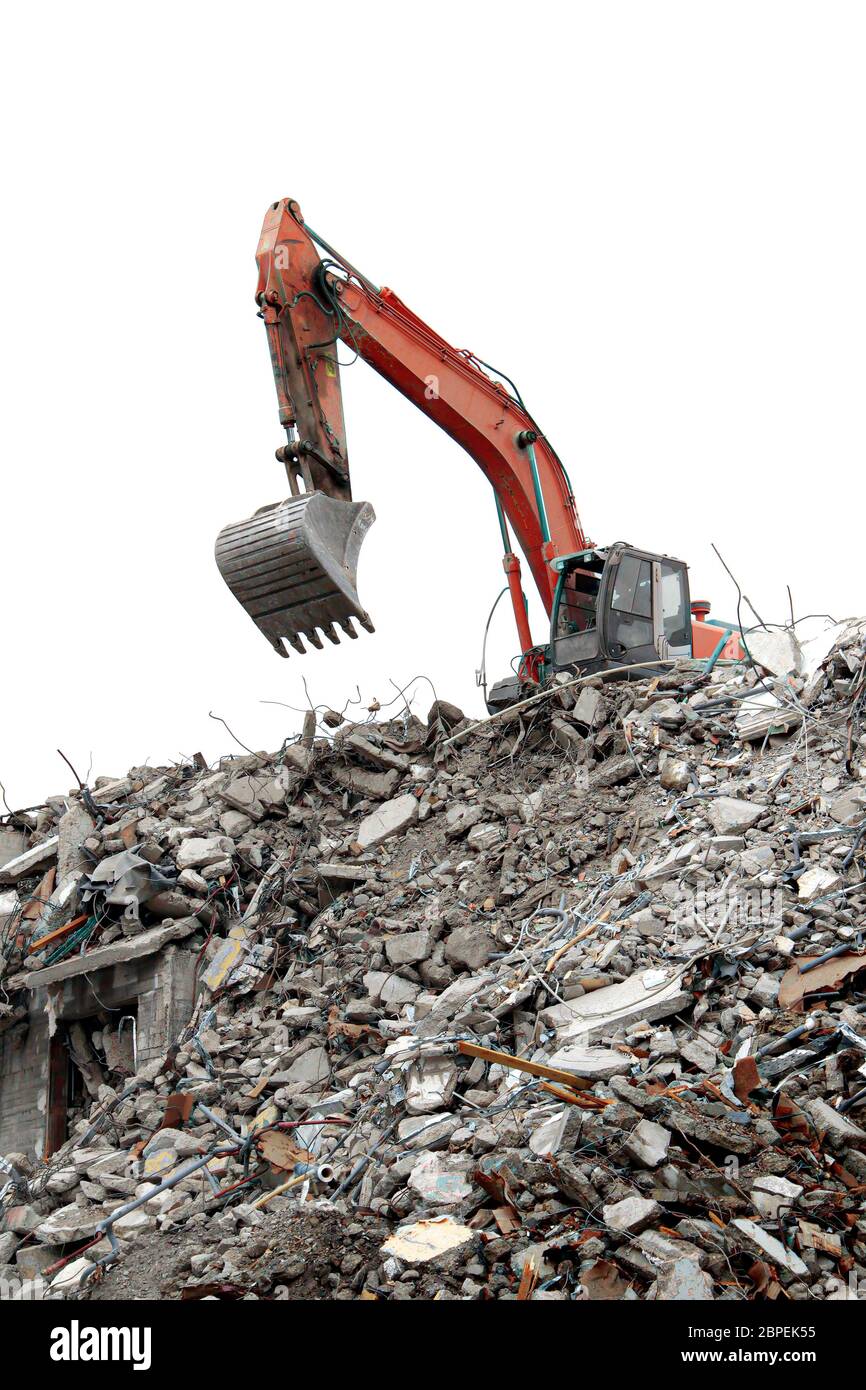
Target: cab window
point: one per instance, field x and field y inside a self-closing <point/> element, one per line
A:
<point x="631" y="603"/>
<point x="632" y="587"/>
<point x="577" y="602"/>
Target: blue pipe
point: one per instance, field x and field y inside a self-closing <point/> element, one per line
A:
<point x="711" y="660"/>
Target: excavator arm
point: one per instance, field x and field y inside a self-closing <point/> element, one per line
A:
<point x="310" y="304"/>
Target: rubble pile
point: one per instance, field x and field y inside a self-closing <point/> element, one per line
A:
<point x="563" y="1005"/>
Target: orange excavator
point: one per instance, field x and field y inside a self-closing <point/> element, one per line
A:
<point x="293" y="565"/>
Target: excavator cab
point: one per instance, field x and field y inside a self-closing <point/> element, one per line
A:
<point x="618" y="607"/>
<point x="613" y="607"/>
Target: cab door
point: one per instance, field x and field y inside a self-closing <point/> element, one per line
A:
<point x="672" y="622"/>
<point x="646" y="607"/>
<point x="630" y="629"/>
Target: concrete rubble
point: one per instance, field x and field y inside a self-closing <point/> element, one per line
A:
<point x="568" y="1005"/>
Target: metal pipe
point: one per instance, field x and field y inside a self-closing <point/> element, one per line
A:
<point x="106" y="1227"/>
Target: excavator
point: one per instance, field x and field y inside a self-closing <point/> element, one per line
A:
<point x="293" y="565"/>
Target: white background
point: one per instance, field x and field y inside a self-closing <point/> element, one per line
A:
<point x="650" y="215"/>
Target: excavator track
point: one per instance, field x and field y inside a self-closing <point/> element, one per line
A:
<point x="293" y="567"/>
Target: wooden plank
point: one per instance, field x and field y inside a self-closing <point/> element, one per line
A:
<point x="55" y="935"/>
<point x="504" y="1059"/>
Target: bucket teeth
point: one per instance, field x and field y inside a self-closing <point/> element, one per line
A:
<point x="293" y="567"/>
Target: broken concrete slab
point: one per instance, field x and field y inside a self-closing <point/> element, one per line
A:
<point x="430" y="1241"/>
<point x="393" y="818"/>
<point x="101" y="957"/>
<point x="442" y="1179"/>
<point x="753" y="1238"/>
<point x="592" y="1063"/>
<point x="647" y="1144"/>
<point x="36" y="857"/>
<point x="646" y="996"/>
<point x="684" y="1281"/>
<point x="632" y="1215"/>
<point x="778" y="652"/>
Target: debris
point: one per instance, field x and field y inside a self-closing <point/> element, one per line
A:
<point x="586" y="978"/>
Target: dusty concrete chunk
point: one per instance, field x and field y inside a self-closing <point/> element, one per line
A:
<point x="757" y="1241"/>
<point x="235" y="823"/>
<point x="309" y="1071"/>
<point x="668" y="865"/>
<point x="393" y="818"/>
<point x="484" y="836"/>
<point x="648" y="995"/>
<point x="631" y="1215"/>
<point x="430" y="1241"/>
<point x="74" y="1274"/>
<point x="652" y="1253"/>
<point x="242" y="793"/>
<point x="730" y="816"/>
<point x="567" y="737"/>
<point x="589" y="706"/>
<point x="442" y="1178"/>
<point x="22" y="1220"/>
<point x="684" y="1281"/>
<point x="764" y="994"/>
<point x="461" y="818"/>
<point x="592" y="1063"/>
<point x="13" y="843"/>
<point x="376" y="786"/>
<point x="648" y="1144"/>
<point x="701" y="1054"/>
<point x="73" y="829"/>
<point x="815" y="883"/>
<point x="68" y="1224"/>
<point x="850" y="807"/>
<point x="778" y="652"/>
<point x="395" y="991"/>
<point x="31" y="860"/>
<point x="427" y="1131"/>
<point x="769" y="1193"/>
<point x="613" y="771"/>
<point x="375" y="753"/>
<point x="408" y="949"/>
<point x="197" y="853"/>
<point x="674" y="774"/>
<point x="429" y="1085"/>
<point x="829" y="1121"/>
<point x="469" y="947"/>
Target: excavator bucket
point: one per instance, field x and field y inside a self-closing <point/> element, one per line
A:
<point x="293" y="567"/>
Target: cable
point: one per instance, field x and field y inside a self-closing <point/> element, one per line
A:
<point x="481" y="673"/>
